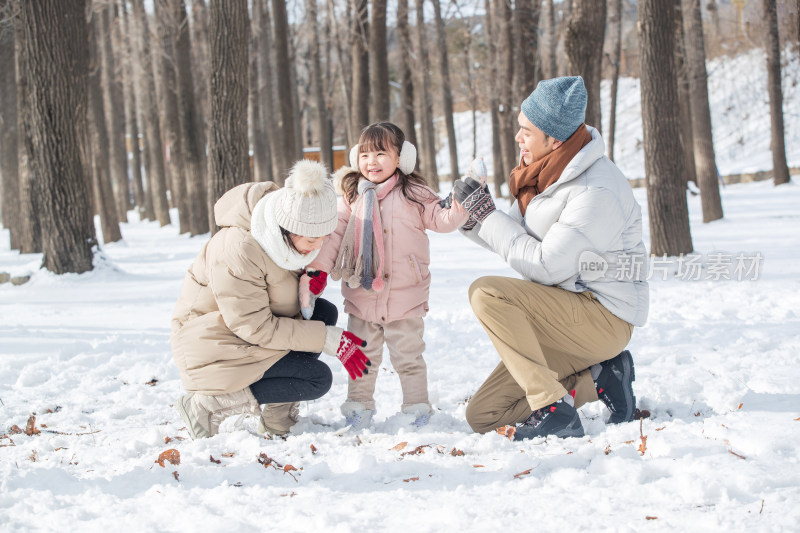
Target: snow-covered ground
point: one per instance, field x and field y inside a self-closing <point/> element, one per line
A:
<point x="716" y="367"/>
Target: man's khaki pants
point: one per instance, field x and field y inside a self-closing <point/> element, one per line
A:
<point x="404" y="340"/>
<point x="547" y="339"/>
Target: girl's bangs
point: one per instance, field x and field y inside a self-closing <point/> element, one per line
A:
<point x="375" y="140"/>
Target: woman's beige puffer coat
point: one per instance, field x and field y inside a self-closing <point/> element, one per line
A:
<point x="238" y="312"/>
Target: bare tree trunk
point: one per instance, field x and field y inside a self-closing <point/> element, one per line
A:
<point x="684" y="95"/>
<point x="428" y="152"/>
<point x="9" y="162"/>
<point x="229" y="32"/>
<point x="191" y="137"/>
<point x="447" y="92"/>
<point x="98" y="151"/>
<point x="200" y="60"/>
<point x="259" y="137"/>
<point x="499" y="170"/>
<point x="526" y="29"/>
<point x="154" y="141"/>
<point x="584" y="45"/>
<point x="505" y="60"/>
<point x="780" y="170"/>
<point x="167" y="23"/>
<point x="298" y="106"/>
<point x="705" y="164"/>
<point x="407" y="122"/>
<point x="360" y="67"/>
<point x="130" y="94"/>
<point x="615" y="30"/>
<point x="118" y="49"/>
<point x="666" y="187"/>
<point x="323" y="118"/>
<point x="379" y="62"/>
<point x="343" y="71"/>
<point x="56" y="38"/>
<point x="114" y="114"/>
<point x="30" y="234"/>
<point x="288" y="151"/>
<point x="552" y="40"/>
<point x="267" y="91"/>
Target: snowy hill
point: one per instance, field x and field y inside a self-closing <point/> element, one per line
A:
<point x="739" y="115"/>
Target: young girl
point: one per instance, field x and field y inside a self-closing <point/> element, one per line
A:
<point x="381" y="252"/>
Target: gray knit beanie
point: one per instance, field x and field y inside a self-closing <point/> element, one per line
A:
<point x="557" y="106"/>
<point x="307" y="205"/>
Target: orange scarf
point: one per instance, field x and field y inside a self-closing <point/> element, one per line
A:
<point x="527" y="181"/>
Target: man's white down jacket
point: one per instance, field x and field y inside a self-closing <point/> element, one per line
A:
<point x="585" y="221"/>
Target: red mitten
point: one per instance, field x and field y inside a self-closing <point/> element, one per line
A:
<point x="347" y="348"/>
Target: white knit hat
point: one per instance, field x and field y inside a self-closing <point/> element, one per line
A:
<point x="307" y="202"/>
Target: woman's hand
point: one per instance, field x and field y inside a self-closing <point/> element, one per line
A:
<point x="312" y="283"/>
<point x="347" y="348"/>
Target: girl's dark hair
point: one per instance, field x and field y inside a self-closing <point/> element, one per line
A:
<point x="379" y="137"/>
<point x="287" y="238"/>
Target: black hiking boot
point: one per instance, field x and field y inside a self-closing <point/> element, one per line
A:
<point x="615" y="387"/>
<point x="559" y="419"/>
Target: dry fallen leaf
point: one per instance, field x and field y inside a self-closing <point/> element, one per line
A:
<point x="607" y="450"/>
<point x="172" y="455"/>
<point x="30" y="427"/>
<point x="152" y="382"/>
<point x="418" y="450"/>
<point x="643" y="446"/>
<point x="313" y="449"/>
<point x="523" y="473"/>
<point x="477" y="466"/>
<point x="15" y="430"/>
<point x="411" y="479"/>
<point x="288" y="468"/>
<point x="228" y="454"/>
<point x="797" y="419"/>
<point x="740" y="406"/>
<point x="456" y="453"/>
<point x="399" y="446"/>
<point x="215" y="461"/>
<point x="651" y="518"/>
<point x="175" y="475"/>
<point x="33" y="456"/>
<point x="507" y="431"/>
<point x="736" y="454"/>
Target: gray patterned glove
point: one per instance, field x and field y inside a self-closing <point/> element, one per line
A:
<point x="475" y="198"/>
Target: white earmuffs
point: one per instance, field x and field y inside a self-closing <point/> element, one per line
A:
<point x="408" y="157"/>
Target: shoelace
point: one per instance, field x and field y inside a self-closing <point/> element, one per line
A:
<point x="539" y="415"/>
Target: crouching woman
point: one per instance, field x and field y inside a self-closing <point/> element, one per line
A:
<point x="238" y="337"/>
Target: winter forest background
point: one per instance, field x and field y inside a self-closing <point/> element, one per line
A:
<point x="122" y="121"/>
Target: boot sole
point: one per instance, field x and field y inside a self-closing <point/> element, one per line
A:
<point x="628" y="377"/>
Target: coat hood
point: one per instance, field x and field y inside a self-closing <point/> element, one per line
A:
<point x="235" y="207"/>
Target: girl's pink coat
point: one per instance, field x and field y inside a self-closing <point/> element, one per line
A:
<point x="407" y="259"/>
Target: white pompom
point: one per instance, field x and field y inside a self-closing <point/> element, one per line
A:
<point x="307" y="177"/>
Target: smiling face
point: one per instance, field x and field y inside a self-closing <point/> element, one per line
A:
<point x="378" y="165"/>
<point x="306" y="245"/>
<point x="533" y="143"/>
